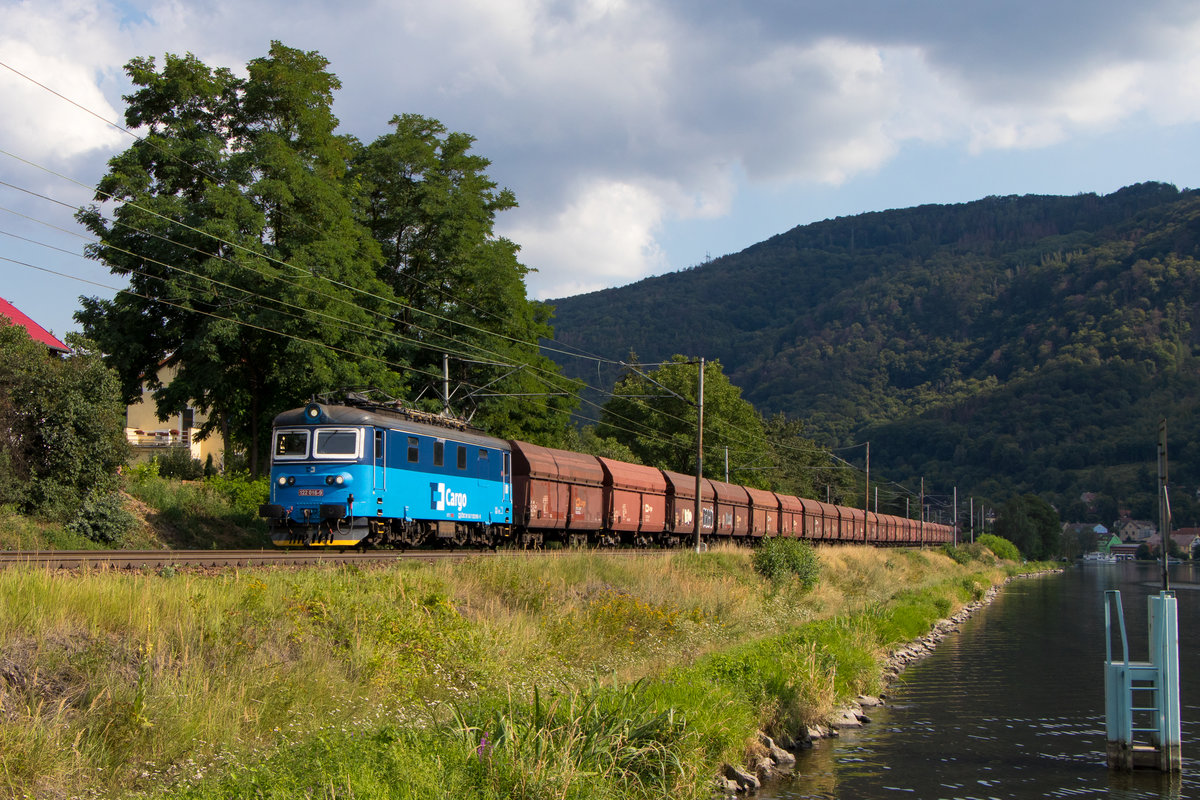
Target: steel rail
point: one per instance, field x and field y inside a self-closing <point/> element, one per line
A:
<point x="158" y="559"/>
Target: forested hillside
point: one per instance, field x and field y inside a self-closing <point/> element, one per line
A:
<point x="1013" y="344"/>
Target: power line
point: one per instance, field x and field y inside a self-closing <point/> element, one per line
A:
<point x="301" y="221"/>
<point x="340" y="324"/>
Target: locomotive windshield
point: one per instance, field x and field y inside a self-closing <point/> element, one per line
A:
<point x="291" y="444"/>
<point x="338" y="443"/>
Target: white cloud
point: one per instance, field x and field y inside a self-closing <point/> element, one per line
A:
<point x="57" y="52"/>
<point x="605" y="237"/>
<point x="612" y="120"/>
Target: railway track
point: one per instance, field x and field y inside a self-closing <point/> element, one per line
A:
<point x="157" y="559"/>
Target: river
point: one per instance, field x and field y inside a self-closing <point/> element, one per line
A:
<point x="1012" y="706"/>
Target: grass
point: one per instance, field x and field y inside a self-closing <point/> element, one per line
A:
<point x="581" y="676"/>
<point x="21" y="532"/>
<point x="218" y="512"/>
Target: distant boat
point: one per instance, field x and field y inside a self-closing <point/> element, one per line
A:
<point x="1099" y="558"/>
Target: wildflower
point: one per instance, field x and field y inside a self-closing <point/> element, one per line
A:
<point x="484" y="748"/>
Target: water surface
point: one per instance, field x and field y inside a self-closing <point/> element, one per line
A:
<point x="1012" y="706"/>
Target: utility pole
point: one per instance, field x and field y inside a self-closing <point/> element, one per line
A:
<point x="922" y="511"/>
<point x="699" y="451"/>
<point x="445" y="384"/>
<point x="867" y="499"/>
<point x="956" y="516"/>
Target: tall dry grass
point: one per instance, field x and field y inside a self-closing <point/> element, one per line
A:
<point x="118" y="682"/>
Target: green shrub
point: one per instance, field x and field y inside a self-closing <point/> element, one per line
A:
<point x="959" y="554"/>
<point x="779" y="559"/>
<point x="63" y="422"/>
<point x="102" y="518"/>
<point x="142" y="471"/>
<point x="970" y="552"/>
<point x="1003" y="548"/>
<point x="244" y="493"/>
<point x="177" y="462"/>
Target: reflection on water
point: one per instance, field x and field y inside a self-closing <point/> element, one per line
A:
<point x="1012" y="706"/>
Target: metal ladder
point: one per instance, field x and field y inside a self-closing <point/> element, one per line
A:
<point x="1142" y="718"/>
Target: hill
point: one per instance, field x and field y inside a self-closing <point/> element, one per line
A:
<point x="1010" y="344"/>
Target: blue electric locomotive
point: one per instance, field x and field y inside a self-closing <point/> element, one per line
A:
<point x="368" y="473"/>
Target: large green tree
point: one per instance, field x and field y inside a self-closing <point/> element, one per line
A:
<point x="270" y="259"/>
<point x="247" y="270"/>
<point x="431" y="205"/>
<point x="1032" y="525"/>
<point x="654" y="413"/>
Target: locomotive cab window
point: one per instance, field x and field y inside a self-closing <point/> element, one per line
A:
<point x="414" y="450"/>
<point x="290" y="445"/>
<point x="462" y="457"/>
<point x="340" y="443"/>
<point x="439" y="452"/>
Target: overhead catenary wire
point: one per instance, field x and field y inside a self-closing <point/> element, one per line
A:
<point x="442" y="292"/>
<point x="541" y="372"/>
<point x="301" y="221"/>
<point x="644" y="431"/>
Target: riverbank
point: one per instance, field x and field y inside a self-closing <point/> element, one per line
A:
<point x="772" y="760"/>
<point x="588" y="675"/>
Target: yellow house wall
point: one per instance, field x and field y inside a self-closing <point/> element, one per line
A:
<point x="142" y="416"/>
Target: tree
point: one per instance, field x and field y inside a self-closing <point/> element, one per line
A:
<point x="585" y="440"/>
<point x="1032" y="525"/>
<point x="654" y="414"/>
<point x="62" y="438"/>
<point x="254" y="240"/>
<point x="801" y="468"/>
<point x="431" y="206"/>
<point x="246" y="267"/>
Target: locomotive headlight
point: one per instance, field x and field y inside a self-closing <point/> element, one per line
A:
<point x="335" y="480"/>
<point x="291" y="480"/>
<point x="282" y="480"/>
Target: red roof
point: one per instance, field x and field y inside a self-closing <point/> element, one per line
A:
<point x="36" y="332"/>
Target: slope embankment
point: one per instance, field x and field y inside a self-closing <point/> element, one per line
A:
<point x="582" y="675"/>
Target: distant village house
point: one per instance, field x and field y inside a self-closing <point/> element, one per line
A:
<point x="150" y="436"/>
<point x="13" y="315"/>
<point x="1134" y="530"/>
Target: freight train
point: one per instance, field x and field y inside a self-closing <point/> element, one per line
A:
<point x="368" y="473"/>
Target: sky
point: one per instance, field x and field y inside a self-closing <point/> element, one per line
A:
<point x="639" y="137"/>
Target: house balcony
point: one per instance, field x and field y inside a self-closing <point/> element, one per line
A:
<point x="160" y="438"/>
